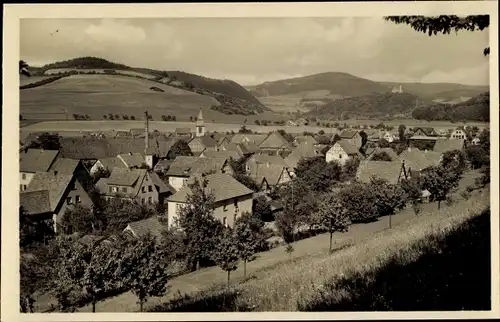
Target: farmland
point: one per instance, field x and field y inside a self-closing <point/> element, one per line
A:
<point x="57" y="71"/>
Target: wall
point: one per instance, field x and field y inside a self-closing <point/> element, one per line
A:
<point x="27" y="180"/>
<point x="336" y="153"/>
<point x="244" y="205"/>
<point x="78" y="191"/>
<point x="142" y="197"/>
<point x="176" y="182"/>
<point x="356" y="140"/>
<point x="98" y="165"/>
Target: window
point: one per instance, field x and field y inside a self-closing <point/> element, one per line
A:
<point x="340" y="156"/>
<point x="199" y="129"/>
<point x="150" y="188"/>
<point x="69" y="200"/>
<point x="21" y="187"/>
<point x="143" y="189"/>
<point x="150" y="200"/>
<point x="236" y="204"/>
<point x="77" y="199"/>
<point x="124" y="189"/>
<point x="110" y="189"/>
<point x="24" y="176"/>
<point x="224" y="208"/>
<point x="143" y="200"/>
<point x="224" y="221"/>
<point x="24" y="187"/>
<point x="115" y="189"/>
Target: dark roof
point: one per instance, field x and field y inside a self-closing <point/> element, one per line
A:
<point x="271" y="172"/>
<point x="161" y="186"/>
<point x="389" y="171"/>
<point x="348" y="147"/>
<point x="305" y="138"/>
<point x="185" y="166"/>
<point x="206" y="141"/>
<point x="132" y="159"/>
<point x="35" y="202"/>
<point x="63" y="165"/>
<point x="444" y="145"/>
<point x="55" y="184"/>
<point x="306" y="149"/>
<point x="347" y="134"/>
<point x="151" y="225"/>
<point x="390" y="152"/>
<point x="227" y="154"/>
<point x="274" y="141"/>
<point x="418" y="160"/>
<point x="163" y="165"/>
<point x="256" y="139"/>
<point x="429" y="131"/>
<point x="112" y="162"/>
<point x="37" y="160"/>
<point x="125" y="177"/>
<point x="221" y="185"/>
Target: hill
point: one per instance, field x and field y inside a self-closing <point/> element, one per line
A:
<point x="335" y="83"/>
<point x="232" y="98"/>
<point x="377" y="105"/>
<point x="474" y="109"/>
<point x="443" y="91"/>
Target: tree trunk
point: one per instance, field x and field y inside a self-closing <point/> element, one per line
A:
<point x="331" y="238"/>
<point x="197" y="264"/>
<point x="390" y="221"/>
<point x="93" y="303"/>
<point x="141" y="305"/>
<point x="439" y="204"/>
<point x="244" y="268"/>
<point x="228" y="277"/>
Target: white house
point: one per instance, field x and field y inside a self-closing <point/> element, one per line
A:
<point x="231" y="199"/>
<point x="388" y="136"/>
<point x="341" y="151"/>
<point x="459" y="134"/>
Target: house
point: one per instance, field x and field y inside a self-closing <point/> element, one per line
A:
<point x="132" y="160"/>
<point x="301" y="122"/>
<point x="153" y="226"/>
<point x="138" y="185"/>
<point x="107" y="164"/>
<point x="377" y="151"/>
<point x="183" y="131"/>
<point x="442" y="132"/>
<point x="389" y="136"/>
<point x="255" y="139"/>
<point x="236" y="149"/>
<point x="184" y="167"/>
<point x="275" y="143"/>
<point x="393" y="171"/>
<point x="417" y="161"/>
<point x="443" y="145"/>
<point x="305" y="138"/>
<point x="459" y="134"/>
<point x="372" y="135"/>
<point x="32" y="161"/>
<point x="304" y="150"/>
<point x="248" y="148"/>
<point x="252" y="162"/>
<point x="342" y="151"/>
<point x="162" y="166"/>
<point x="476" y="141"/>
<point x="49" y="194"/>
<point x="202" y="143"/>
<point x="351" y="136"/>
<point x="227" y="154"/>
<point x="424" y="131"/>
<point x="231" y="199"/>
<point x="268" y="175"/>
<point x="291" y="123"/>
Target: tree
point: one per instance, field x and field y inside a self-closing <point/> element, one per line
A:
<point x="383" y="143"/>
<point x="336" y="138"/>
<point x="257" y="122"/>
<point x="179" y="148"/>
<point x="317" y="174"/>
<point x="401" y="132"/>
<point x="454" y="161"/>
<point x="32" y="231"/>
<point x="364" y="138"/>
<point x="47" y="141"/>
<point x="287" y="136"/>
<point x="477" y="156"/>
<point x="80" y="219"/>
<point x="23" y="68"/>
<point x="240" y="174"/>
<point x="261" y="209"/>
<point x="359" y="202"/>
<point x="143" y="269"/>
<point x="117" y="213"/>
<point x="244" y="129"/>
<point x="227" y="254"/>
<point x="349" y="169"/>
<point x="388" y="197"/>
<point x="100" y="173"/>
<point x="90" y="268"/>
<point x="444" y="24"/>
<point x="381" y="156"/>
<point x="200" y="227"/>
<point x="248" y="237"/>
<point x="333" y="216"/>
<point x="412" y="190"/>
<point x="439" y="181"/>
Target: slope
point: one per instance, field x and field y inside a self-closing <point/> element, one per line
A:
<point x="444" y="91"/>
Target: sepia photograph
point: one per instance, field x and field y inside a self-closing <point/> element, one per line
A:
<point x="328" y="161"/>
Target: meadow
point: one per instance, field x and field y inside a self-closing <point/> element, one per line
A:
<point x="56" y="71"/>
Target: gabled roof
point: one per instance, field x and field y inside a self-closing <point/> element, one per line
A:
<point x="55" y="184"/>
<point x="274" y="141"/>
<point x="444" y="145"/>
<point x="304" y="150"/>
<point x="151" y="225"/>
<point x="185" y="166"/>
<point x="347" y="147"/>
<point x="35" y="202"/>
<point x="63" y="165"/>
<point x="125" y="177"/>
<point x="418" y="160"/>
<point x="221" y="185"/>
<point x="112" y="162"/>
<point x="161" y="186"/>
<point x="390" y="152"/>
<point x="227" y="154"/>
<point x="306" y="139"/>
<point x="248" y="148"/>
<point x="422" y="137"/>
<point x="205" y="141"/>
<point x="429" y="131"/>
<point x="161" y="165"/>
<point x="347" y="134"/>
<point x="132" y="159"/>
<point x="389" y="171"/>
<point x="256" y="139"/>
<point x="270" y="172"/>
<point x="37" y="160"/>
<point x="266" y="158"/>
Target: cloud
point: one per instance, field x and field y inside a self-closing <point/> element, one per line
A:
<point x="478" y="75"/>
<point x="115" y="31"/>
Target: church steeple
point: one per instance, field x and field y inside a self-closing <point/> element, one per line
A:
<point x="200" y="125"/>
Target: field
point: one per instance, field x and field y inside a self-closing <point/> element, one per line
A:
<point x="297" y="102"/>
<point x="277" y="281"/>
<point x="56" y="71"/>
<point x="30" y="80"/>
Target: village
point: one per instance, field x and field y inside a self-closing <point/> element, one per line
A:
<point x="70" y="182"/>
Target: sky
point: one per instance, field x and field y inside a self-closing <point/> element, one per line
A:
<point x="251" y="51"/>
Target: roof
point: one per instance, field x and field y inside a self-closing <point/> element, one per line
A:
<point x="163" y="187"/>
<point x="266" y="158"/>
<point x="63" y="165"/>
<point x="185" y="166"/>
<point x="112" y="162"/>
<point x="305" y="138"/>
<point x="347" y="147"/>
<point x="132" y="159"/>
<point x="381" y="169"/>
<point x="55" y="184"/>
<point x="227" y="154"/>
<point x="35" y="202"/>
<point x="427" y="130"/>
<point x="304" y="150"/>
<point x="444" y="145"/>
<point x="274" y="141"/>
<point x="162" y="165"/>
<point x="390" y="152"/>
<point x="422" y="137"/>
<point x="37" y="160"/>
<point x="206" y="141"/>
<point x="125" y="177"/>
<point x="271" y="172"/>
<point x="223" y="187"/>
<point x="256" y="139"/>
<point x="248" y="148"/>
<point x="150" y="225"/>
<point x="347" y="134"/>
<point x="418" y="160"/>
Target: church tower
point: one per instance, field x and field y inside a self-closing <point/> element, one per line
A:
<point x="200" y="125"/>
